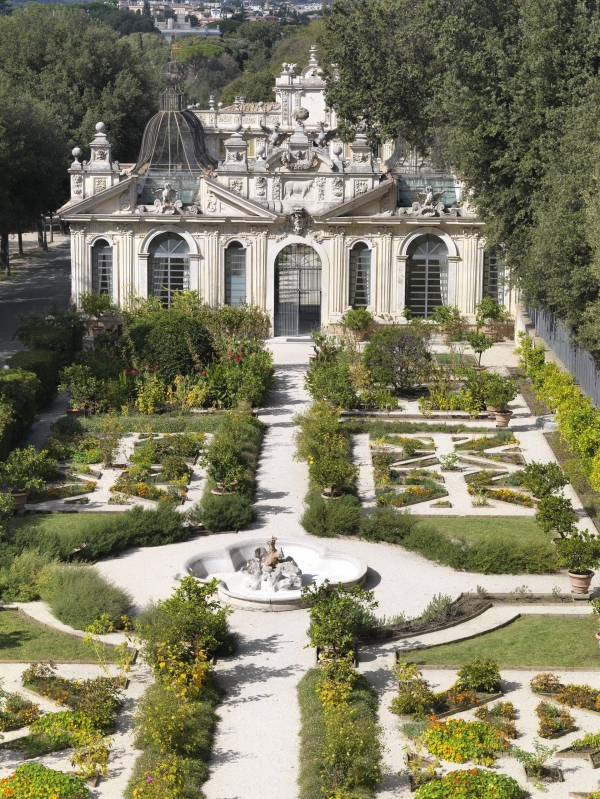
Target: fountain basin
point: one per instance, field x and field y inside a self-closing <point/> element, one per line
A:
<point x="317" y="564"/>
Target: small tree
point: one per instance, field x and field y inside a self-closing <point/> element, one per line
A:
<point x="498" y="392"/>
<point x="543" y="479"/>
<point x="81" y="385"/>
<point x="534" y="761"/>
<point x="479" y="344"/>
<point x="333" y="468"/>
<point x="398" y="356"/>
<point x="336" y="616"/>
<point x="357" y="319"/>
<point x="96" y="305"/>
<point x="556" y="514"/>
<point x="488" y="311"/>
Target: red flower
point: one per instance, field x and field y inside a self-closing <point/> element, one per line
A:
<point x="134" y="372"/>
<point x="203" y="374"/>
<point x="155" y="368"/>
<point x="144" y="363"/>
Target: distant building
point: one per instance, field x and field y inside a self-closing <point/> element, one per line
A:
<point x="263" y="203"/>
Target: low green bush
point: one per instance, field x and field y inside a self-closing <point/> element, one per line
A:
<point x="174" y="724"/>
<point x="18" y="391"/>
<point x="223" y="513"/>
<point x="46" y="782"/>
<point x="386" y="524"/>
<point x="331" y="517"/>
<point x="155" y="770"/>
<point x="78" y="595"/>
<point x="19" y="582"/>
<point x="45" y="365"/>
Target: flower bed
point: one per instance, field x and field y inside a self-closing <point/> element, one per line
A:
<point x="554" y="722"/>
<point x="17" y="712"/>
<point x="34" y="781"/>
<point x="581" y="696"/>
<point x="412" y="495"/>
<point x="472" y="784"/>
<point x="460" y="741"/>
<point x="501" y="716"/>
<point x="154" y="449"/>
<point x="487" y="442"/>
<point x="506" y="495"/>
<point x="62" y="492"/>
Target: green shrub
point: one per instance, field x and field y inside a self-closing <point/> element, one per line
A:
<point x="176" y="725"/>
<point x="225" y="512"/>
<point x="27" y="470"/>
<point x="60" y="331"/>
<point x="328" y="518"/>
<point x="472" y="783"/>
<point x="45" y="365"/>
<point x="543" y="479"/>
<point x="357" y="319"/>
<point x="18" y="390"/>
<point x="479" y="675"/>
<point x="386" y="524"/>
<point x="19" y="582"/>
<point x="156" y="769"/>
<point x="398" y="356"/>
<point x="174" y="468"/>
<point x="332" y="381"/>
<point x="439" y="609"/>
<point x="174" y="342"/>
<point x="78" y="595"/>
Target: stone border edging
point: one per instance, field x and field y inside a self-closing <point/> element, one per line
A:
<point x="401" y="637"/>
<point x="583" y="669"/>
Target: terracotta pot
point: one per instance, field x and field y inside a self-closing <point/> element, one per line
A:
<point x="20" y="498"/>
<point x="580" y="583"/>
<point x="598" y="638"/>
<point x="361" y="335"/>
<point x="490" y="409"/>
<point x="479" y="368"/>
<point x="502" y="418"/>
<point x="331" y="494"/>
<point x="74" y="412"/>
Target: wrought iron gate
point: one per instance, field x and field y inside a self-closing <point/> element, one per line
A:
<point x="297" y="290"/>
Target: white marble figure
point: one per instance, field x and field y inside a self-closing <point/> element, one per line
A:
<point x="271" y="570"/>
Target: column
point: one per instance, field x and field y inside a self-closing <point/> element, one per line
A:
<point x="258" y="275"/>
<point x="338" y="283"/>
<point x="402" y="261"/>
<point x="384" y="274"/>
<point x="142" y="287"/>
<point x="452" y="272"/>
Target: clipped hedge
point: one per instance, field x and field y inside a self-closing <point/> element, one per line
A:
<point x="330" y="517"/>
<point x="45" y="365"/>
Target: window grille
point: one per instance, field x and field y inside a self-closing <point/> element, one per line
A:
<point x="360" y="276"/>
<point x="169" y="267"/>
<point x="102" y="268"/>
<point x="427" y="275"/>
<point x="493" y="276"/>
<point x="235" y="274"/>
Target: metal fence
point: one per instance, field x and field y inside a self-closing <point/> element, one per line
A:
<point x="579" y="362"/>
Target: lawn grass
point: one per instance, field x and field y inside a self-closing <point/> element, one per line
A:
<point x="23" y="640"/>
<point x="530" y="642"/>
<point x="519" y="529"/>
<point x="63" y="527"/>
<point x="172" y="422"/>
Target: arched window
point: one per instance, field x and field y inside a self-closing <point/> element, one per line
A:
<point x="102" y="268"/>
<point x="169" y="267"/>
<point x="360" y="276"/>
<point x="493" y="276"/>
<point x="235" y="274"/>
<point x="426" y="275"/>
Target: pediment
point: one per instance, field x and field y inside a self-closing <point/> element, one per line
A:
<point x="103" y="203"/>
<point x="219" y="200"/>
<point x="379" y="201"/>
<point x="316" y="160"/>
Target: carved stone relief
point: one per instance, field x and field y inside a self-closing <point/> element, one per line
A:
<point x="211" y="202"/>
<point x="338" y="187"/>
<point x="360" y="187"/>
<point x="320" y="188"/>
<point x="101" y="155"/>
<point x="236" y="185"/>
<point x="260" y="185"/>
<point x="77" y="184"/>
<point x="99" y="184"/>
<point x="277" y="188"/>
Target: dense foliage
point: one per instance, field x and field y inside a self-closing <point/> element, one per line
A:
<point x="472" y="783"/>
<point x="505" y="94"/>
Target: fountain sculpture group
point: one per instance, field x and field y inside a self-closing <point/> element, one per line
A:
<point x="270" y="570"/>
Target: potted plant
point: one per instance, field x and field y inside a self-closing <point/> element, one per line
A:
<point x="556" y="514"/>
<point x="543" y="479"/>
<point x="81" y="385"/>
<point x="224" y="465"/>
<point x="358" y="320"/>
<point x="479" y="344"/>
<point x="332" y="471"/>
<point x="489" y="312"/>
<point x="452" y="325"/>
<point x="580" y="553"/>
<point x="497" y="393"/>
<point x="99" y="309"/>
<point x="534" y="763"/>
<point x="26" y="470"/>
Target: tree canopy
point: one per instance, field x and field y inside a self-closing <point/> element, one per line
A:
<point x="505" y="93"/>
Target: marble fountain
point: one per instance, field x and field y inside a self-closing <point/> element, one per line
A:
<point x="270" y="578"/>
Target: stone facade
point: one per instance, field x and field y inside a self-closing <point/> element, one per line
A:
<point x="285" y="216"/>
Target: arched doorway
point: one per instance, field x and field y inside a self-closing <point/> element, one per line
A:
<point x="426" y="275"/>
<point x="297" y="290"/>
<point x="169" y="267"/>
